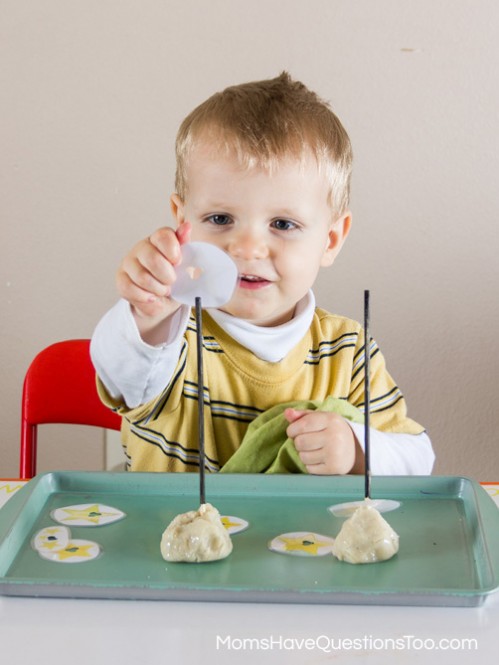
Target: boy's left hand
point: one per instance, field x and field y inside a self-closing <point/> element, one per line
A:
<point x="325" y="442"/>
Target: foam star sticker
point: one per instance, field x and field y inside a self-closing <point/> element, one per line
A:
<point x="233" y="524"/>
<point x="226" y="521"/>
<point x="91" y="513"/>
<point x="74" y="550"/>
<point x="87" y="514"/>
<point x="51" y="540"/>
<point x="302" y="543"/>
<point x="306" y="544"/>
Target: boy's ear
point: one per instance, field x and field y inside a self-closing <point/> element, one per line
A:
<point x="338" y="232"/>
<point x="177" y="208"/>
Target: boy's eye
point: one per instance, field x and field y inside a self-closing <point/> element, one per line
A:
<point x="283" y="225"/>
<point x="219" y="220"/>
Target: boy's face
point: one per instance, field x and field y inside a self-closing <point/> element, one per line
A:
<point x="277" y="227"/>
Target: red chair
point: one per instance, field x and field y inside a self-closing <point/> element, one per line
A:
<point x="59" y="387"/>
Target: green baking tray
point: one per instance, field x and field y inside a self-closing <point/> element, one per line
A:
<point x="448" y="527"/>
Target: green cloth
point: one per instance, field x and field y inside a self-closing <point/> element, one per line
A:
<point x="267" y="449"/>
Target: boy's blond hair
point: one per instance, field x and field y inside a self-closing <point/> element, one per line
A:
<point x="264" y="121"/>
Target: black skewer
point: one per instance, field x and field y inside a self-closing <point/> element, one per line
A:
<point x="367" y="398"/>
<point x="199" y="345"/>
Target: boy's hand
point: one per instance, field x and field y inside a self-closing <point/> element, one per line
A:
<point x="325" y="442"/>
<point x="147" y="273"/>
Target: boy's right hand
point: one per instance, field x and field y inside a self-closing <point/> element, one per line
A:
<point x="147" y="273"/>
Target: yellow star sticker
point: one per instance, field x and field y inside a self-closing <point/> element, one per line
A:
<point x="306" y="543"/>
<point x="227" y="523"/>
<point x="73" y="550"/>
<point x="90" y="513"/>
<point x="47" y="542"/>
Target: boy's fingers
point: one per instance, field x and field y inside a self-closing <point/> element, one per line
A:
<point x="292" y="415"/>
<point x="309" y="442"/>
<point x="312" y="457"/>
<point x="183" y="233"/>
<point x="317" y="469"/>
<point x="303" y="422"/>
<point x="165" y="240"/>
<point x="152" y="274"/>
<point x="131" y="291"/>
<point x="150" y="266"/>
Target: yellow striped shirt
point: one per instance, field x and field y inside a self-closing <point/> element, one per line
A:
<point x="162" y="435"/>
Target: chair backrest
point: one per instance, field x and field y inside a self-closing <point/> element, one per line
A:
<point x="60" y="387"/>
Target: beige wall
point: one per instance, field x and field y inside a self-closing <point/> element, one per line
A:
<point x="93" y="91"/>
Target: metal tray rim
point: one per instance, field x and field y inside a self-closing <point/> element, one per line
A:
<point x="181" y="483"/>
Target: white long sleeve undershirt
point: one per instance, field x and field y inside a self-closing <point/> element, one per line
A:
<point x="137" y="372"/>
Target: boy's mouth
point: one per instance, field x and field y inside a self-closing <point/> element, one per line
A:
<point x="252" y="282"/>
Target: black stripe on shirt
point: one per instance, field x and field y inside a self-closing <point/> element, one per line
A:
<point x="382" y="397"/>
<point x="165" y="396"/>
<point x="328" y="355"/>
<point x="142" y="432"/>
<point x="363" y="366"/>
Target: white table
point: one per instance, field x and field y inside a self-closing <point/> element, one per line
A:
<point x="84" y="632"/>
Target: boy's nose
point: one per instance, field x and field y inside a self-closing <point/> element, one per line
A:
<point x="247" y="245"/>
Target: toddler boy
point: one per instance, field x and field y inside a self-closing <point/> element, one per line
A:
<point x="263" y="172"/>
